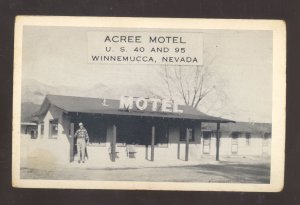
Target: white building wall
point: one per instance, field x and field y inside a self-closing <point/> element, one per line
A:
<point x="59" y="150"/>
<point x="255" y="147"/>
<point x="40" y="130"/>
<point x="44" y="148"/>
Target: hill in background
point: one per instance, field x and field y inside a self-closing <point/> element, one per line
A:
<point x="34" y="92"/>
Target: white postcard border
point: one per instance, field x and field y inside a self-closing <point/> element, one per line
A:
<point x="278" y="101"/>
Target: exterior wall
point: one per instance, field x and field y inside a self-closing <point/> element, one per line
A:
<point x="40" y="130"/>
<point x="57" y="148"/>
<point x="256" y="146"/>
<point x="100" y="154"/>
<point x="63" y="123"/>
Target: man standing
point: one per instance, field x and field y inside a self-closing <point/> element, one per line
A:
<point x="82" y="138"/>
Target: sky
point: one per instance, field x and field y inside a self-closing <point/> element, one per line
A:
<point x="243" y="60"/>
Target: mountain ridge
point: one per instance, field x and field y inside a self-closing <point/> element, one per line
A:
<point x="33" y="93"/>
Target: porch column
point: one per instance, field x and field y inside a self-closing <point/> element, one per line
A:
<point x="178" y="149"/>
<point x="146" y="153"/>
<point x="187" y="142"/>
<point x="200" y="125"/>
<point x="113" y="143"/>
<point x="152" y="143"/>
<point x="218" y="141"/>
<point x="71" y="142"/>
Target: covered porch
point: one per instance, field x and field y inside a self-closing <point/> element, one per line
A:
<point x="134" y="128"/>
<point x="119" y="137"/>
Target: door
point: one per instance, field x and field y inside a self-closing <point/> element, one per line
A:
<point x="265" y="143"/>
<point x="235" y="143"/>
<point x="206" y="142"/>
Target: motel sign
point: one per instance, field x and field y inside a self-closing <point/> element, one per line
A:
<point x="157" y="105"/>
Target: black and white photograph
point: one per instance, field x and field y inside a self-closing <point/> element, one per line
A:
<point x="153" y="104"/>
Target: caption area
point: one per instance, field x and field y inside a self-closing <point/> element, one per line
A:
<point x="145" y="48"/>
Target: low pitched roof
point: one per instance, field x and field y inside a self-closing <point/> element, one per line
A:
<point x="95" y="105"/>
<point x="242" y="127"/>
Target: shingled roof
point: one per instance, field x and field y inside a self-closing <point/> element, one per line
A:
<point x="111" y="107"/>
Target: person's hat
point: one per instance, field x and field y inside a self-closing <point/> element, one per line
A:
<point x="80" y="123"/>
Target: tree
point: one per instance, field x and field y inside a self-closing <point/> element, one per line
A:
<point x="193" y="84"/>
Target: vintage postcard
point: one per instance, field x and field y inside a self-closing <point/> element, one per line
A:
<point x="149" y="104"/>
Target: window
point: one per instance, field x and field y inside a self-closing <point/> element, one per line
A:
<point x="33" y="134"/>
<point x="266" y="136"/>
<point x="248" y="137"/>
<point x="42" y="128"/>
<point x="206" y="135"/>
<point x="206" y="141"/>
<point x="234" y="142"/>
<point x="187" y="130"/>
<point x="235" y="135"/>
<point x="53" y="128"/>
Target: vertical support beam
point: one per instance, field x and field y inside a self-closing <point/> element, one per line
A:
<point x="146" y="152"/>
<point x="113" y="143"/>
<point x="187" y="142"/>
<point x="50" y="129"/>
<point x="178" y="149"/>
<point x="72" y="140"/>
<point x="218" y="141"/>
<point x="201" y="134"/>
<point x="152" y="143"/>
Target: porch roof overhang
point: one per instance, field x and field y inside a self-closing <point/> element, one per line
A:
<point x="29" y="123"/>
<point x="71" y="104"/>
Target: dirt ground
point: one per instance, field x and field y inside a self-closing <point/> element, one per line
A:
<point x="237" y="170"/>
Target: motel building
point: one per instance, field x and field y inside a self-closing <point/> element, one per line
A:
<point x="139" y="129"/>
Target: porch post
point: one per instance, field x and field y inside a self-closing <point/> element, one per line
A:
<point x="152" y="143"/>
<point x="187" y="142"/>
<point x="113" y="143"/>
<point x="218" y="141"/>
<point x="146" y="152"/>
<point x="72" y="142"/>
<point x="200" y="128"/>
<point x="178" y="149"/>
